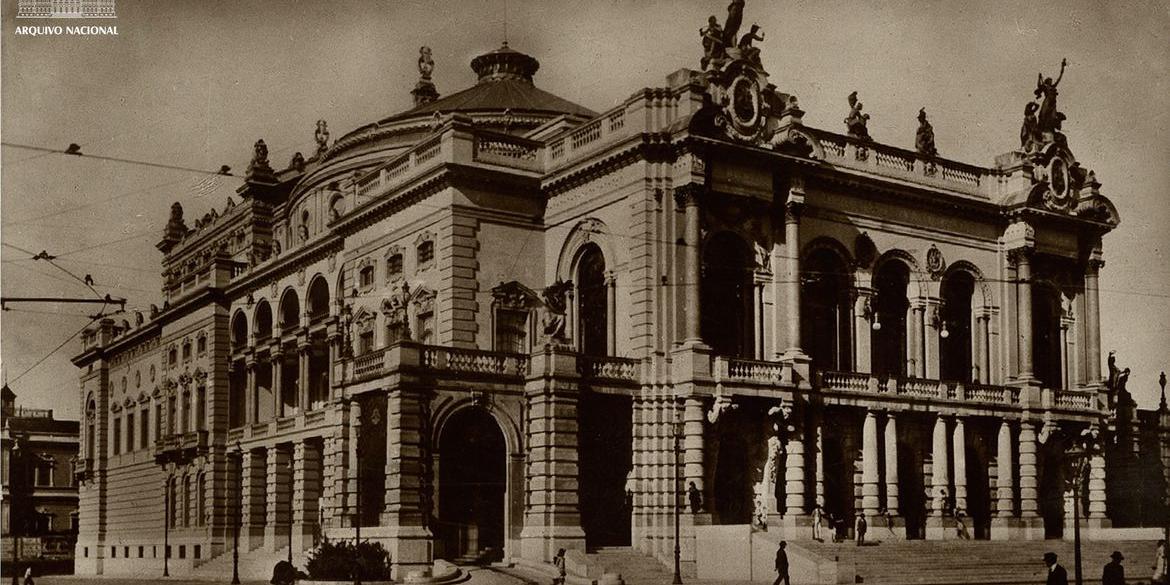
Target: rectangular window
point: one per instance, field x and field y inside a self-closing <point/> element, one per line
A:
<point x="394" y="266"/>
<point x="512" y="331"/>
<point x="158" y="417"/>
<point x="366" y="342"/>
<point x="117" y="442"/>
<point x="43" y="474"/>
<point x="201" y="345"/>
<point x="144" y="435"/>
<point x="426" y="253"/>
<point x="126" y="552"/>
<point x="113" y="552"/>
<point x="172" y="406"/>
<point x="182" y="551"/>
<point x="129" y="432"/>
<point x="198" y="549"/>
<point x="366" y="277"/>
<point x="141" y="550"/>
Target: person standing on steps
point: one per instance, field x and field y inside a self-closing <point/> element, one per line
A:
<point x="1056" y="573"/>
<point x="559" y="563"/>
<point x="1159" y="577"/>
<point x="782" y="565"/>
<point x="1114" y="573"/>
<point x="860" y="527"/>
<point x="818" y="519"/>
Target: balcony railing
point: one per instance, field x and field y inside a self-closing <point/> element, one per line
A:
<point x="754" y="371"/>
<point x="610" y="368"/>
<point x="181" y="447"/>
<point x="927" y="389"/>
<point x="473" y="361"/>
<point x="897" y="162"/>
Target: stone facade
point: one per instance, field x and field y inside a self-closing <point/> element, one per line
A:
<point x="582" y="315"/>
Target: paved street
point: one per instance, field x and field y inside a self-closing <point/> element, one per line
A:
<point x="479" y="576"/>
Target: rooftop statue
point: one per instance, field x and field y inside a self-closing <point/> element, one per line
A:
<point x="734" y="19"/>
<point x="259" y="164"/>
<point x="322" y="137"/>
<point x="713" y="49"/>
<point x="856" y="122"/>
<point x="1049" y="117"/>
<point x="746" y="50"/>
<point x="426" y="64"/>
<point x="924" y="140"/>
<point x="555" y="305"/>
<point x="1030" y="137"/>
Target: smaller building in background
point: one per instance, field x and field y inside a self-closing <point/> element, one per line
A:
<point x="40" y="494"/>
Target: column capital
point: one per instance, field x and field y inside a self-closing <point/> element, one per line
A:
<point x="689" y="195"/>
<point x="1093" y="266"/>
<point x="1018" y="256"/>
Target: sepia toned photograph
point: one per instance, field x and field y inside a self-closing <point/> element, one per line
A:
<point x="593" y="292"/>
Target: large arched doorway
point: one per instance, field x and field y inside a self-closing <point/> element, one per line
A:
<point x="472" y="487"/>
<point x="955" y="337"/>
<point x="726" y="301"/>
<point x="889" y="335"/>
<point x="591" y="301"/>
<point x="825" y="316"/>
<point x="1046" y="336"/>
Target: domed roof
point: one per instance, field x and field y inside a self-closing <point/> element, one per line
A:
<point x="505" y="83"/>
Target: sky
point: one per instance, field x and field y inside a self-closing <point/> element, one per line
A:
<point x="193" y="83"/>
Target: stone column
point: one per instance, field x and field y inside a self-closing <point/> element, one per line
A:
<point x="553" y="518"/>
<point x="611" y="313"/>
<point x="688" y="198"/>
<point x="1028" y="485"/>
<point x="915" y="357"/>
<point x="1024" y="310"/>
<point x="930" y="354"/>
<point x="336" y="463"/>
<point x="279" y="498"/>
<point x="251" y="408"/>
<point x="862" y="330"/>
<point x="693" y="443"/>
<point x="939" y="479"/>
<point x="350" y="513"/>
<point x="869" y="465"/>
<point x="1065" y="370"/>
<point x="1097" y="510"/>
<point x="1004" y="489"/>
<point x="306" y="494"/>
<point x="410" y="545"/>
<point x="959" y="444"/>
<point x="892" y="463"/>
<point x="819" y="445"/>
<point x="1092" y="322"/>
<point x="253" y="514"/>
<point x="792" y="213"/>
<point x="277" y="360"/>
<point x="983" y="345"/>
<point x="304" y="353"/>
<point x="794" y="472"/>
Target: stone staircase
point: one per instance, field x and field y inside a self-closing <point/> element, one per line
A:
<point x="984" y="562"/>
<point x="255" y="565"/>
<point x="634" y="567"/>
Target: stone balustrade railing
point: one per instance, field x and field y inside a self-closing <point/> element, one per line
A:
<point x="368" y="363"/>
<point x="393" y="173"/>
<point x="473" y="361"/>
<point x="610" y="368"/>
<point x="1073" y="399"/>
<point x="509" y="151"/>
<point x="972" y="393"/>
<point x="745" y="370"/>
<point x="897" y="162"/>
<point x="588" y="137"/>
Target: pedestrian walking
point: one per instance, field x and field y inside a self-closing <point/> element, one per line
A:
<point x="782" y="565"/>
<point x="1114" y="573"/>
<point x="28" y="578"/>
<point x="559" y="563"/>
<point x="961" y="525"/>
<point x="1159" y="577"/>
<point x="695" y="497"/>
<point x="1056" y="573"/>
<point x="860" y="527"/>
<point x="818" y="521"/>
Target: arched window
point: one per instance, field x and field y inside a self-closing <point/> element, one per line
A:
<point x="174" y="502"/>
<point x="825" y="313"/>
<point x="290" y="310"/>
<point x="239" y="331"/>
<point x="318" y="299"/>
<point x="726" y="301"/>
<point x="200" y="497"/>
<point x="90" y="424"/>
<point x="1046" y="350"/>
<point x="263" y="321"/>
<point x="889" y="325"/>
<point x="187" y="496"/>
<point x="591" y="301"/>
<point x="955" y="327"/>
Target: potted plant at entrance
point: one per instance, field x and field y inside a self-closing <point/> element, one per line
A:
<point x="337" y="561"/>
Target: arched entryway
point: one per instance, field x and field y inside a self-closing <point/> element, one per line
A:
<point x="889" y="327"/>
<point x="472" y="487"/>
<point x="955" y="335"/>
<point x="726" y="311"/>
<point x="825" y="316"/>
<point x="591" y="301"/>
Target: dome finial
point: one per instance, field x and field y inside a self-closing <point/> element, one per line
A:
<point x="505" y="63"/>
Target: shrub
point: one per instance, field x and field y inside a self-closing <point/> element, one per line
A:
<point x="337" y="561"/>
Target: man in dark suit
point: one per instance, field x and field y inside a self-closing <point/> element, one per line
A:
<point x="1056" y="573"/>
<point x="782" y="565"/>
<point x="1114" y="573"/>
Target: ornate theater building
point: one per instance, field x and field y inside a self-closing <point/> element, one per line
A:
<point x="499" y="323"/>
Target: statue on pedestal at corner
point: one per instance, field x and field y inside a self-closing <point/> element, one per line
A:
<point x="746" y="50"/>
<point x="1030" y="138"/>
<point x="856" y="122"/>
<point x="924" y="139"/>
<point x="714" y="51"/>
<point x="555" y="306"/>
<point x="1049" y="117"/>
<point x="321" y="135"/>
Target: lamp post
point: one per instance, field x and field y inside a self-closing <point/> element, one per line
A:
<point x="290" y="515"/>
<point x="238" y="456"/>
<point x="167" y="526"/>
<point x="1080" y="452"/>
<point x="678" y="430"/>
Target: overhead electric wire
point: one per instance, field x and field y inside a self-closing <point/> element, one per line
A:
<point x="57" y="266"/>
<point x="221" y="172"/>
<point x="55" y="349"/>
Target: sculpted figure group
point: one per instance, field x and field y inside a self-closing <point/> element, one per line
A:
<point x="720" y="43"/>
